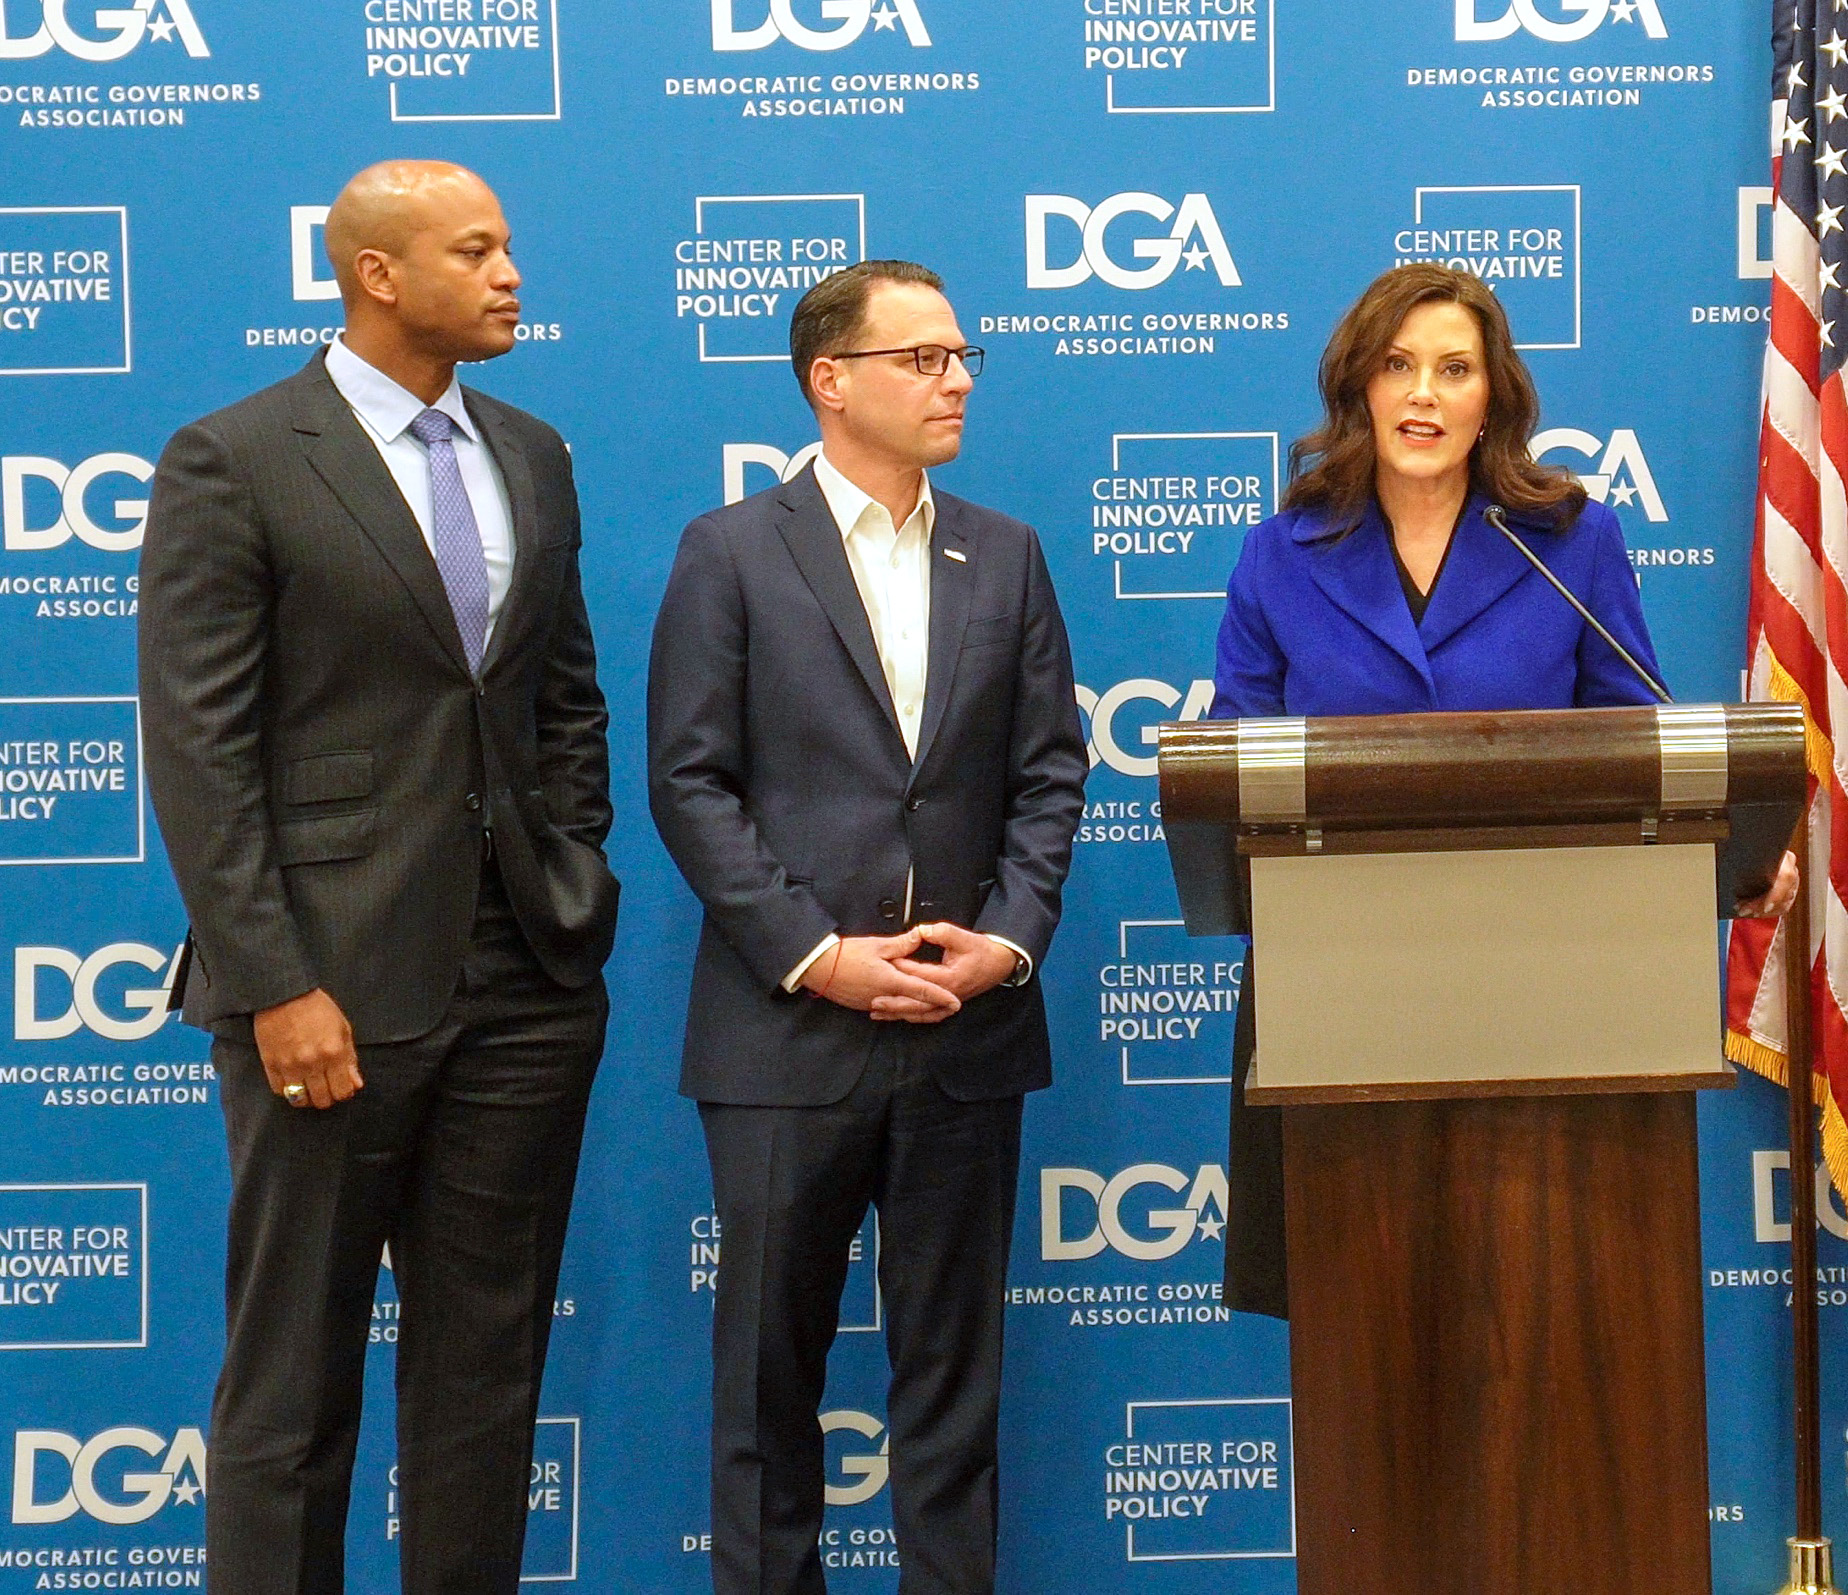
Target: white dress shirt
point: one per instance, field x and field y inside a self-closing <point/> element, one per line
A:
<point x="386" y="412"/>
<point x="891" y="568"/>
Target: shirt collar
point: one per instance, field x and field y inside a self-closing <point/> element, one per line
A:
<point x="384" y="406"/>
<point x="847" y="503"/>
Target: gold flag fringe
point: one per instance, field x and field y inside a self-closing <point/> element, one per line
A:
<point x="1816" y="746"/>
<point x="1763" y="1059"/>
<point x="1759" y="1056"/>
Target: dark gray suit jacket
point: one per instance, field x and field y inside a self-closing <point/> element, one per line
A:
<point x="321" y="761"/>
<point x="780" y="783"/>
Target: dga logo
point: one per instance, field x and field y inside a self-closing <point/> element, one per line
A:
<point x="57" y="1476"/>
<point x="1207" y="57"/>
<point x="1193" y="236"/>
<point x="56" y="993"/>
<point x="1523" y="240"/>
<point x="1755" y="211"/>
<point x="1620" y="475"/>
<point x="740" y="457"/>
<point x="305" y="259"/>
<point x="1554" y="21"/>
<point x="859" y="1466"/>
<point x="751" y="257"/>
<point x="1771" y="1200"/>
<point x="1112" y="735"/>
<point x="1555" y="81"/>
<point x="1158" y="1233"/>
<point x="1203" y="1481"/>
<point x="465" y="60"/>
<point x="862" y="1473"/>
<point x="845" y="21"/>
<point x="63" y="290"/>
<point x="1757" y="208"/>
<point x="100" y="33"/>
<point x="66" y="509"/>
<point x="73" y="1267"/>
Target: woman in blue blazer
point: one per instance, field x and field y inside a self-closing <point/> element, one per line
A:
<point x="1382" y="589"/>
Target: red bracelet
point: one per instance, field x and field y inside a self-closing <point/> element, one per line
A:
<point x="833" y="968"/>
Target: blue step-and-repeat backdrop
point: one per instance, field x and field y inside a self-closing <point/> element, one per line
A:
<point x="1150" y="212"/>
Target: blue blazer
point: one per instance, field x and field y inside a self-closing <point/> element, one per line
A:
<point x="1317" y="626"/>
<point x="780" y="782"/>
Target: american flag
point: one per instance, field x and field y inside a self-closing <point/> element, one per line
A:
<point x="1797" y="625"/>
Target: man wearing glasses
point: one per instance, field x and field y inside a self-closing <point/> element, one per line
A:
<point x="865" y="757"/>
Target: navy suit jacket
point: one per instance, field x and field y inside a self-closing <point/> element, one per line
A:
<point x="779" y="780"/>
<point x="1320" y="626"/>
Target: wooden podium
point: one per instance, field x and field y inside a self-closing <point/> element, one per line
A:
<point x="1489" y="993"/>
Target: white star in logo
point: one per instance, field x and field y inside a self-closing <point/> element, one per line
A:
<point x="1829" y="161"/>
<point x="186" y="1493"/>
<point x="1623" y="495"/>
<point x="1796" y="79"/>
<point x="1835" y="103"/>
<point x="1196" y="258"/>
<point x="1827" y="330"/>
<point x="1624" y="11"/>
<point x="1795" y="133"/>
<point x="1211" y="1228"/>
<point x="1826" y="276"/>
<point x="1835" y="49"/>
<point x="1829" y="219"/>
<point x="162" y="30"/>
<point x="884" y="18"/>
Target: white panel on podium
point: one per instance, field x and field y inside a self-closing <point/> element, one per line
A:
<point x="1426" y="974"/>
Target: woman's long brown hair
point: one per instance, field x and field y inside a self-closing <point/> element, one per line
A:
<point x="1332" y="468"/>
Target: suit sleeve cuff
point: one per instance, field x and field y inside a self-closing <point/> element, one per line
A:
<point x="794" y="978"/>
<point x="1023" y="971"/>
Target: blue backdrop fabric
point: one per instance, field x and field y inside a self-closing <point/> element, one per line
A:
<point x="1151" y="213"/>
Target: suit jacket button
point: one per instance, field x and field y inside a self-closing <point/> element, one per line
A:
<point x="914" y="804"/>
<point x="472" y="802"/>
<point x="888" y="908"/>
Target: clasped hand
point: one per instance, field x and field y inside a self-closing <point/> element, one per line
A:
<point x="878" y="975"/>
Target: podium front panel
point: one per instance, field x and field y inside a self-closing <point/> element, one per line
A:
<point x="1427" y="973"/>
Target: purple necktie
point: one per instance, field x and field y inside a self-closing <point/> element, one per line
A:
<point x="459" y="559"/>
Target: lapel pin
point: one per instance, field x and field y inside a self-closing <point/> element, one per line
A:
<point x="960" y="558"/>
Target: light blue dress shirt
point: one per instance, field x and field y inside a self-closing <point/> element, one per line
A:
<point x="385" y="411"/>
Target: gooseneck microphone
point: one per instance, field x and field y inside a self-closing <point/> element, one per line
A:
<point x="1495" y="516"/>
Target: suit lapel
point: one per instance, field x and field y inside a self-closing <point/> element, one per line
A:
<point x="517" y="474"/>
<point x="343" y="456"/>
<point x="952" y="583"/>
<point x="1357" y="574"/>
<point x="814" y="542"/>
<point x="1481" y="566"/>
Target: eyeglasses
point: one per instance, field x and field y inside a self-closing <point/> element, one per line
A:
<point x="932" y="359"/>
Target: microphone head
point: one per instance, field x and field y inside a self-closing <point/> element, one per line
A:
<point x="1495" y="515"/>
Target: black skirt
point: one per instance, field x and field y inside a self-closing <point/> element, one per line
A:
<point x="1255" y="1270"/>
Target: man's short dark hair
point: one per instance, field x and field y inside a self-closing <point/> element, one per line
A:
<point x="833" y="311"/>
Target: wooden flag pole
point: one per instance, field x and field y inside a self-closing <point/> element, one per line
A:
<point x="1811" y="1572"/>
